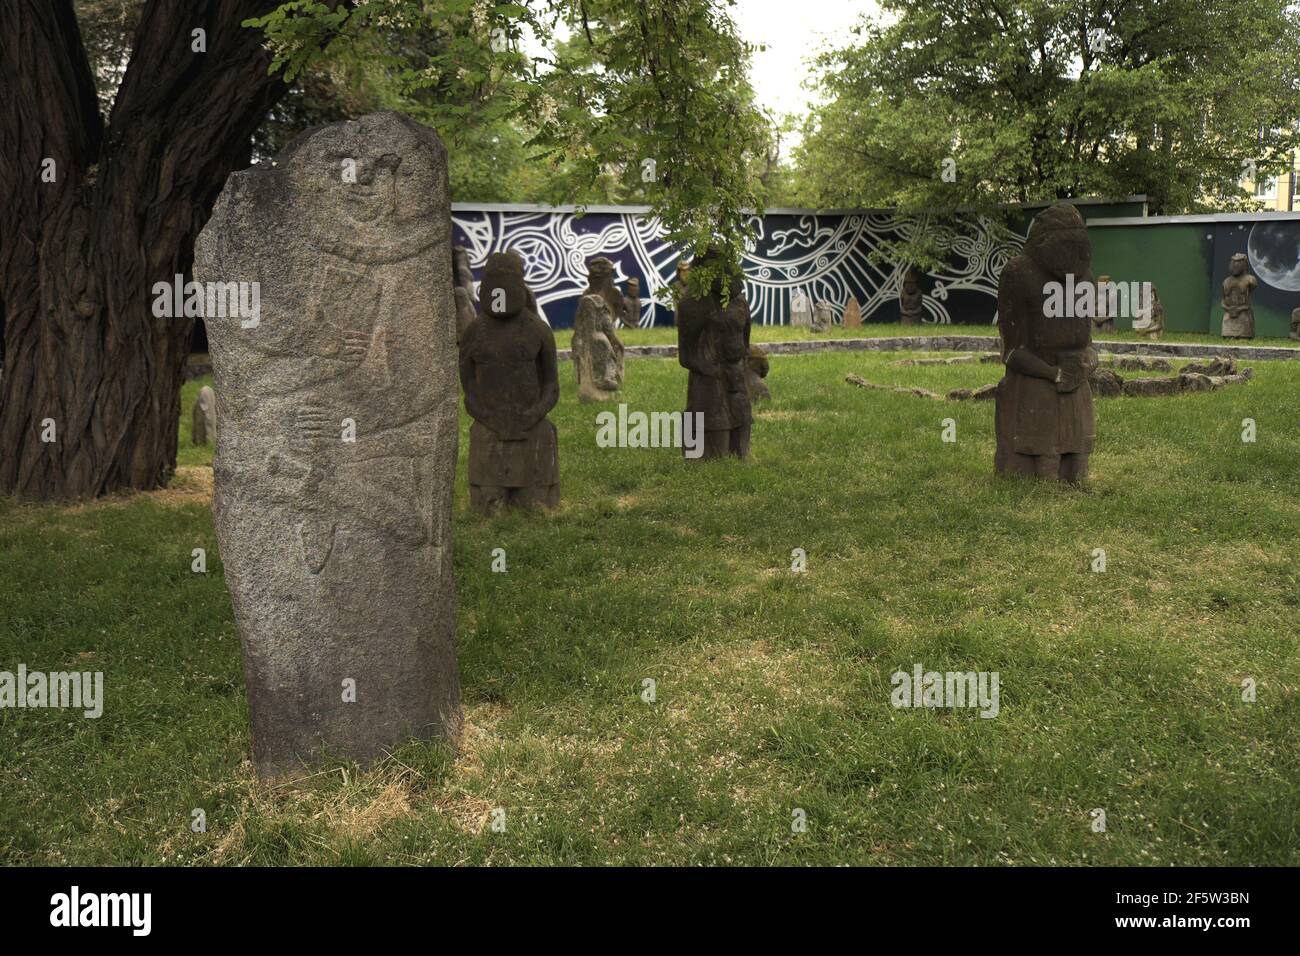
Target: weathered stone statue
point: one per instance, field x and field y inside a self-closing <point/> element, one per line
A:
<point x="823" y="317"/>
<point x="755" y="371"/>
<point x="713" y="344"/>
<point x="597" y="351"/>
<point x="335" y="462"/>
<point x="911" y="298"/>
<point x="600" y="281"/>
<point x="1043" y="414"/>
<point x="633" y="300"/>
<point x="800" y="308"/>
<point x="1238" y="312"/>
<point x="1295" y="325"/>
<point x="463" y="289"/>
<point x="508" y="371"/>
<point x="852" y="314"/>
<point x="1102" y="320"/>
<point x="683" y="272"/>
<point x="1149" y="320"/>
<point x="203" y="429"/>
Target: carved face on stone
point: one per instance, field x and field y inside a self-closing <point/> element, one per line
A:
<point x="600" y="272"/>
<point x="1058" y="242"/>
<point x="503" y="292"/>
<point x="1237" y="264"/>
<point x="683" y="271"/>
<point x="369" y="206"/>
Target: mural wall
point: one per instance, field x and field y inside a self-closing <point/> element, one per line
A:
<point x="1187" y="258"/>
<point x="829" y="255"/>
<point x="1273" y="247"/>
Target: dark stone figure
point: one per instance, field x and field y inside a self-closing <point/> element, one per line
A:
<point x="1295" y="325"/>
<point x="633" y="300"/>
<point x="508" y="371"/>
<point x="1043" y="415"/>
<point x="910" y="298"/>
<point x="1238" y="312"/>
<point x="713" y="344"/>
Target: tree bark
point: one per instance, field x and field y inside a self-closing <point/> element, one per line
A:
<point x="79" y="256"/>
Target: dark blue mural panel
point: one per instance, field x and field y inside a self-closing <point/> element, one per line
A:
<point x="828" y="256"/>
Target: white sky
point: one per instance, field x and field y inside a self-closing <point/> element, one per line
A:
<point x="793" y="30"/>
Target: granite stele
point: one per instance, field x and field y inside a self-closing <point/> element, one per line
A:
<point x="336" y="457"/>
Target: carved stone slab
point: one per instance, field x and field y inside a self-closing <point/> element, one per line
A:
<point x="335" y="463"/>
<point x="852" y="314"/>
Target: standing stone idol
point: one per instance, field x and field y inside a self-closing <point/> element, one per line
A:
<point x="508" y="370"/>
<point x="1238" y="313"/>
<point x="1295" y="325"/>
<point x="600" y="281"/>
<point x="713" y="344"/>
<point x="683" y="273"/>
<point x="597" y="351"/>
<point x="680" y="285"/>
<point x="910" y="298"/>
<point x="823" y="317"/>
<point x="204" y="426"/>
<point x="800" y="309"/>
<point x="853" y="314"/>
<point x="633" y="300"/>
<point x="336" y="460"/>
<point x="1149" y="319"/>
<point x="1043" y="415"/>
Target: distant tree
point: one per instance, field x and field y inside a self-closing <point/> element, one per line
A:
<point x="1033" y="100"/>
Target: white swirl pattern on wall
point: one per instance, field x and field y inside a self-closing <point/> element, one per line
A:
<point x="829" y="256"/>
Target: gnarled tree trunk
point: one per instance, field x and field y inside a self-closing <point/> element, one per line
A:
<point x="79" y="344"/>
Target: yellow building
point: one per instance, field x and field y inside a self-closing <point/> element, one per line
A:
<point x="1278" y="193"/>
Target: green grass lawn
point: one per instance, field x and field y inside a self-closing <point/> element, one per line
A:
<point x="667" y="335"/>
<point x="1119" y="690"/>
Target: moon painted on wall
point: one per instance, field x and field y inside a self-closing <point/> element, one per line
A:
<point x="1274" y="249"/>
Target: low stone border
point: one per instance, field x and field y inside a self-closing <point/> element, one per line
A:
<point x="981" y="343"/>
<point x="1105" y="383"/>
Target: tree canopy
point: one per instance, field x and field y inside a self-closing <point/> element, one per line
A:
<point x="1031" y="100"/>
<point x="629" y="99"/>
